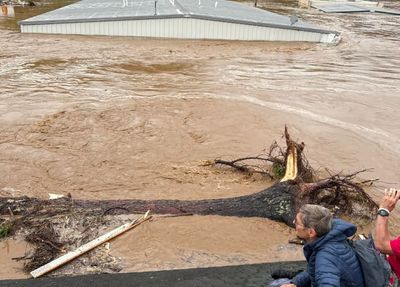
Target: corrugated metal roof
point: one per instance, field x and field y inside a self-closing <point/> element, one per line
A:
<point x="217" y="10"/>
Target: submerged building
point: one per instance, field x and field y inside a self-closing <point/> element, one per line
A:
<point x="182" y="19"/>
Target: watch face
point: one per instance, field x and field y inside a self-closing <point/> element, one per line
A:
<point x="383" y="212"/>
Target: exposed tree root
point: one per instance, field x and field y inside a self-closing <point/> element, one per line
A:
<point x="47" y="246"/>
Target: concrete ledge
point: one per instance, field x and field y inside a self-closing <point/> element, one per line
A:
<point x="229" y="276"/>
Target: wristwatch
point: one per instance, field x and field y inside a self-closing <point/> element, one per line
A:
<point x="383" y="212"/>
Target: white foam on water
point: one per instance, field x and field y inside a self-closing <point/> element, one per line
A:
<point x="376" y="135"/>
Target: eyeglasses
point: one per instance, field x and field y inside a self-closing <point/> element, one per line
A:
<point x="298" y="223"/>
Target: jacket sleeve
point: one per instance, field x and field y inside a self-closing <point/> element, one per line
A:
<point x="302" y="279"/>
<point x="327" y="273"/>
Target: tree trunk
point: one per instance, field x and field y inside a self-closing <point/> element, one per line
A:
<point x="280" y="202"/>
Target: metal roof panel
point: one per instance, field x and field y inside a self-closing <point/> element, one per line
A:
<point x="216" y="10"/>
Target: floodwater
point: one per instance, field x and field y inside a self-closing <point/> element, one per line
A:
<point x="113" y="117"/>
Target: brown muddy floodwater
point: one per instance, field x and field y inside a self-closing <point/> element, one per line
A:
<point x="112" y="118"/>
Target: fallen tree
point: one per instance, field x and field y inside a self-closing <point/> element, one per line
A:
<point x="279" y="202"/>
<point x="295" y="185"/>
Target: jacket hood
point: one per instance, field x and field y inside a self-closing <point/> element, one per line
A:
<point x="339" y="232"/>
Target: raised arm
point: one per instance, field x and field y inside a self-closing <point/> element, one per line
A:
<point x="382" y="236"/>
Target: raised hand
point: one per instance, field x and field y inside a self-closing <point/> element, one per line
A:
<point x="390" y="199"/>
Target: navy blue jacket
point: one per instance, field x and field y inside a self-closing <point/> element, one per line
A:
<point x="331" y="261"/>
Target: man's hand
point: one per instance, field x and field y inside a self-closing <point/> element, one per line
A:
<point x="390" y="199"/>
<point x="288" y="285"/>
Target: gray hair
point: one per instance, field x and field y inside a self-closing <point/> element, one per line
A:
<point x="317" y="217"/>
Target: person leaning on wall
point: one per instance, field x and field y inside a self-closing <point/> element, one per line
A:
<point x="331" y="260"/>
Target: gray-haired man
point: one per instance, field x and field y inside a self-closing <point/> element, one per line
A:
<point x="331" y="261"/>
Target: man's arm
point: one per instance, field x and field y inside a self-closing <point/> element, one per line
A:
<point x="382" y="236"/>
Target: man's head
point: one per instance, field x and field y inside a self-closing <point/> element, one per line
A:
<point x="312" y="221"/>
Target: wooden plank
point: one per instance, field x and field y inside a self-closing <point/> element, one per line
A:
<point x="88" y="246"/>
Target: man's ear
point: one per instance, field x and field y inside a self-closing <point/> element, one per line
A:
<point x="312" y="233"/>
